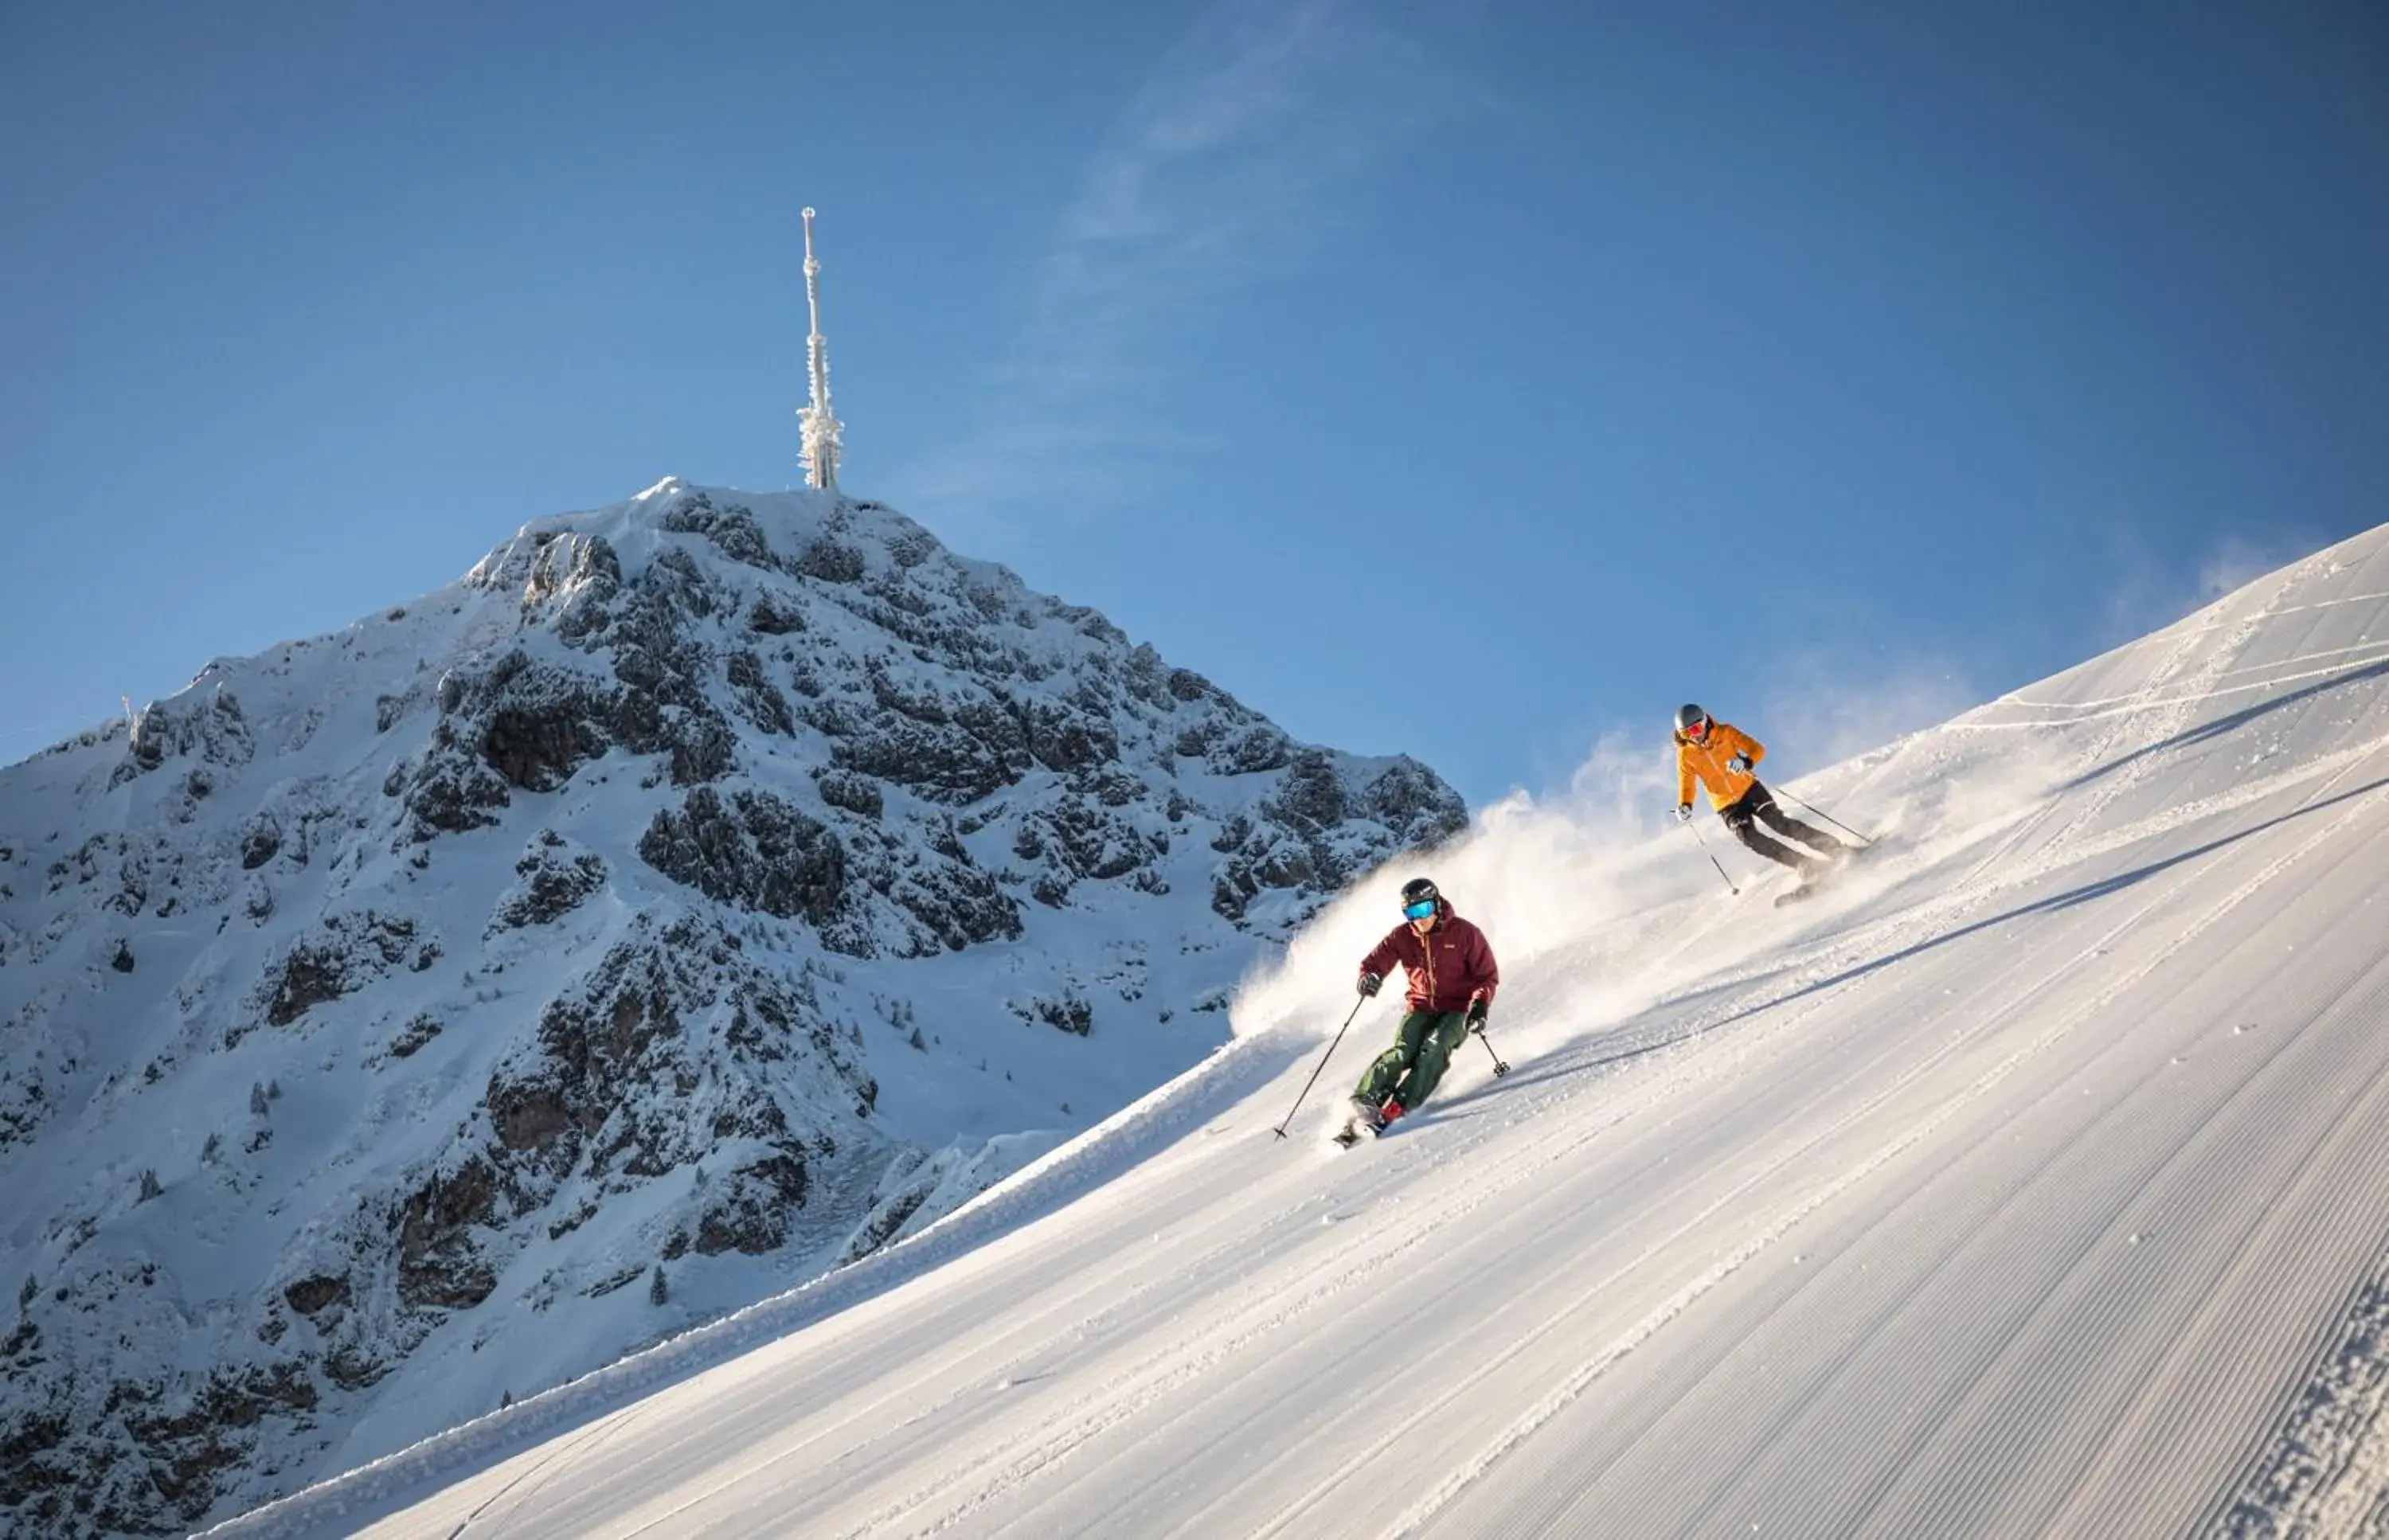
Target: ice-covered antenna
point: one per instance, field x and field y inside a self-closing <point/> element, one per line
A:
<point x="822" y="428"/>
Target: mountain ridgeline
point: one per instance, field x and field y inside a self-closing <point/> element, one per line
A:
<point x="701" y="893"/>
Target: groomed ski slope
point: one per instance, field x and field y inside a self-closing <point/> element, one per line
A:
<point x="2030" y="1182"/>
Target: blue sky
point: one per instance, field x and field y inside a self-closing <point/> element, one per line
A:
<point x="1474" y="380"/>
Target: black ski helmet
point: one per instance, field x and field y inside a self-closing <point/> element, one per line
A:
<point x="1418" y="889"/>
<point x="1687" y="715"/>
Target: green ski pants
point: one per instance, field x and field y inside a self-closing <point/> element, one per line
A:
<point x="1408" y="1070"/>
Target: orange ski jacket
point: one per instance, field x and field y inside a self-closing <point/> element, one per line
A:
<point x="1705" y="762"/>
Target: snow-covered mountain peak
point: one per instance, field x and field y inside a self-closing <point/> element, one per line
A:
<point x="702" y="891"/>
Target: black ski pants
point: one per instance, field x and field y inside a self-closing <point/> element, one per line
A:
<point x="1757" y="806"/>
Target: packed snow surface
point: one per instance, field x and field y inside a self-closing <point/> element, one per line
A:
<point x="2026" y="1182"/>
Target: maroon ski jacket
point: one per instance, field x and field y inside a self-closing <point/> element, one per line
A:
<point x="1449" y="966"/>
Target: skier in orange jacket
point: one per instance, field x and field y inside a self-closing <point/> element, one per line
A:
<point x="1720" y="757"/>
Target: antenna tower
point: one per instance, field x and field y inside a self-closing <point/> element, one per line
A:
<point x="822" y="428"/>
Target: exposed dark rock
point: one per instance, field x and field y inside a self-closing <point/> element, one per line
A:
<point x="678" y="587"/>
<point x="949" y="900"/>
<point x="754" y="850"/>
<point x="751" y="1210"/>
<point x="584" y="570"/>
<point x="585" y="1103"/>
<point x="1256" y="749"/>
<point x="212" y="727"/>
<point x="1413" y="805"/>
<point x="352" y="1369"/>
<point x="1088" y="622"/>
<point x="854" y="794"/>
<point x="342" y="954"/>
<point x="538" y="748"/>
<point x="773" y="617"/>
<point x="554" y="878"/>
<point x="702" y="748"/>
<point x="259" y="843"/>
<point x="1070" y="1014"/>
<point x="946" y="764"/>
<point x="451" y="794"/>
<point x="414" y="1036"/>
<point x="758" y="697"/>
<point x="1311" y="796"/>
<point x="138" y="1456"/>
<point x="528" y="1119"/>
<point x="1231" y="890"/>
<point x="1062" y="738"/>
<point x="733" y="530"/>
<point x="832" y="561"/>
<point x="910" y="545"/>
<point x="188" y="1450"/>
<point x="1087" y="841"/>
<point x="922" y="703"/>
<point x="438" y="1263"/>
<point x="311" y="1295"/>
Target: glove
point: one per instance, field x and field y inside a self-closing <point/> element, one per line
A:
<point x="1738" y="765"/>
<point x="1684" y="812"/>
<point x="1371" y="983"/>
<point x="1476" y="1009"/>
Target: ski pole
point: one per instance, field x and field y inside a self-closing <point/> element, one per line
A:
<point x="1829" y="817"/>
<point x="1713" y="860"/>
<point x="1499" y="1068"/>
<point x="1281" y="1129"/>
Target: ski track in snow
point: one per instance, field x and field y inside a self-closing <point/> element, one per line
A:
<point x="2374" y="657"/>
<point x="1414" y="1520"/>
<point x="2205" y="666"/>
<point x="2025" y="1183"/>
<point x="2327" y="1472"/>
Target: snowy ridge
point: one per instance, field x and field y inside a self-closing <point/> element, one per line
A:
<point x="703" y="892"/>
<point x="2023" y="1183"/>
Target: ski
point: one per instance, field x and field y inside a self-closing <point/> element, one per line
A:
<point x="1810" y="886"/>
<point x="1363" y="1120"/>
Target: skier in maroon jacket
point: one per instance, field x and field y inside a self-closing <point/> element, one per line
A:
<point x="1451" y="977"/>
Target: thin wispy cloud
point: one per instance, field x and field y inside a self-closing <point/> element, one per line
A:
<point x="1827" y="704"/>
<point x="1223" y="173"/>
<point x="2153" y="589"/>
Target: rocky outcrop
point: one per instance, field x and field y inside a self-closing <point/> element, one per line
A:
<point x="343" y="953"/>
<point x="753" y="850"/>
<point x="555" y="876"/>
<point x="752" y="1063"/>
<point x="208" y="725"/>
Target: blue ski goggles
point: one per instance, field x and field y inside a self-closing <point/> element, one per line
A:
<point x="1421" y="910"/>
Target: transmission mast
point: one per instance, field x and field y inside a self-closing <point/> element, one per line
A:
<point x="822" y="428"/>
